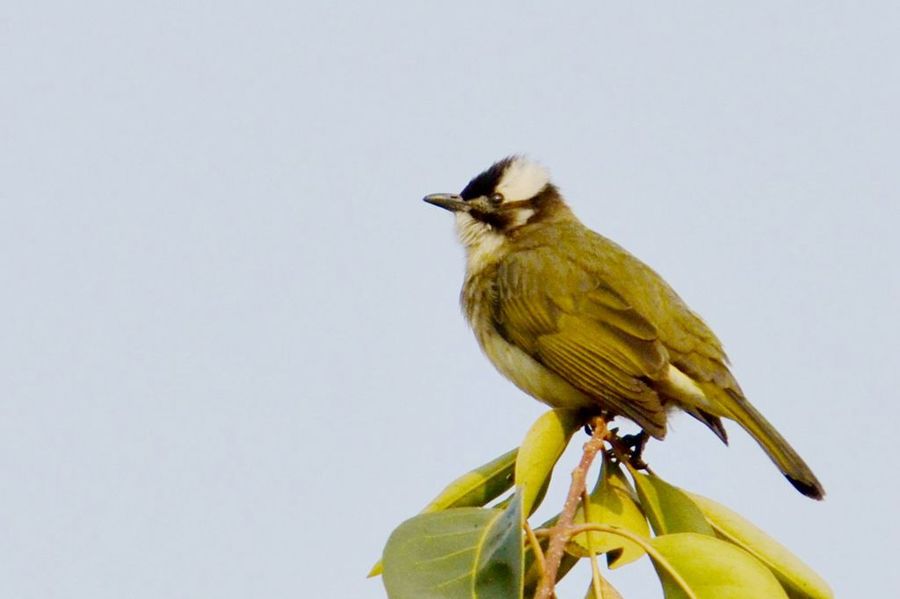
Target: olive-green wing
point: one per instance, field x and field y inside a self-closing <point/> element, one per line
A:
<point x="693" y="347"/>
<point x="579" y="328"/>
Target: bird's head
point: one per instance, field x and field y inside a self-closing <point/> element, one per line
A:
<point x="512" y="193"/>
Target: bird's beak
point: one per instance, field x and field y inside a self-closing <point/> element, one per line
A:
<point x="447" y="201"/>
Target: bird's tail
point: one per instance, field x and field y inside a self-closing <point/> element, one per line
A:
<point x="776" y="447"/>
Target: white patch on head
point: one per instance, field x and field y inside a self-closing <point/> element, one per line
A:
<point x="483" y="244"/>
<point x="522" y="180"/>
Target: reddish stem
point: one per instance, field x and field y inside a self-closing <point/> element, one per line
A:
<point x="560" y="533"/>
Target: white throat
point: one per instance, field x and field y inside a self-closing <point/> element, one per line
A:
<point x="482" y="242"/>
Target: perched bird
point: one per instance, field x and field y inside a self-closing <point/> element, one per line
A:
<point x="576" y="321"/>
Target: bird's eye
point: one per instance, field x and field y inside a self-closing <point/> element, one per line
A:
<point x="497" y="198"/>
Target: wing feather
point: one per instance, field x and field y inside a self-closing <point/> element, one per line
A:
<point x="644" y="323"/>
<point x="581" y="330"/>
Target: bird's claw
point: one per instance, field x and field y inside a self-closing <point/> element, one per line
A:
<point x="636" y="444"/>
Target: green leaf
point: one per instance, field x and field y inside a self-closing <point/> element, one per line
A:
<point x="473" y="489"/>
<point x="612" y="502"/>
<point x="798" y="579"/>
<point x="377" y="569"/>
<point x="711" y="568"/>
<point x="456" y="554"/>
<point x="477" y="487"/>
<point x="543" y="445"/>
<point x="608" y="590"/>
<point x="668" y="508"/>
<point x="533" y="575"/>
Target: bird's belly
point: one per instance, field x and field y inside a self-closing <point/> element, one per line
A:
<point x="530" y="375"/>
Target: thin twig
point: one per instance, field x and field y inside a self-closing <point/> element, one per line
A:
<point x="536" y="549"/>
<point x="561" y="532"/>
<point x="661" y="561"/>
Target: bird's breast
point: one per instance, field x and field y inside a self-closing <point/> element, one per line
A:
<point x="511" y="361"/>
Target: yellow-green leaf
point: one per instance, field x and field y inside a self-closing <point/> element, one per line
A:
<point x="711" y="569"/>
<point x="798" y="579"/>
<point x="668" y="508"/>
<point x="608" y="591"/>
<point x="612" y="502"/>
<point x="459" y="553"/>
<point x="477" y="487"/>
<point x="543" y="445"/>
<point x="473" y="489"/>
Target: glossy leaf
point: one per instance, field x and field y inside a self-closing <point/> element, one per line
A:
<point x="457" y="554"/>
<point x="712" y="569"/>
<point x="477" y="487"/>
<point x="798" y="579"/>
<point x="543" y="445"/>
<point x="612" y="502"/>
<point x="668" y="508"/>
<point x="473" y="489"/>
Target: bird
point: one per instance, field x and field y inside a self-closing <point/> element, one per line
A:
<point x="577" y="322"/>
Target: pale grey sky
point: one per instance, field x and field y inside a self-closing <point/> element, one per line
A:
<point x="232" y="358"/>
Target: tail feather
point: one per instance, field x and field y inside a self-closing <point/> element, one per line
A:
<point x="713" y="422"/>
<point x="776" y="447"/>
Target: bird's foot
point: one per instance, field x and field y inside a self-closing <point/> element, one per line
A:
<point x="636" y="444"/>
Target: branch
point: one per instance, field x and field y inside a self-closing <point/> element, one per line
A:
<point x="560" y="533"/>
